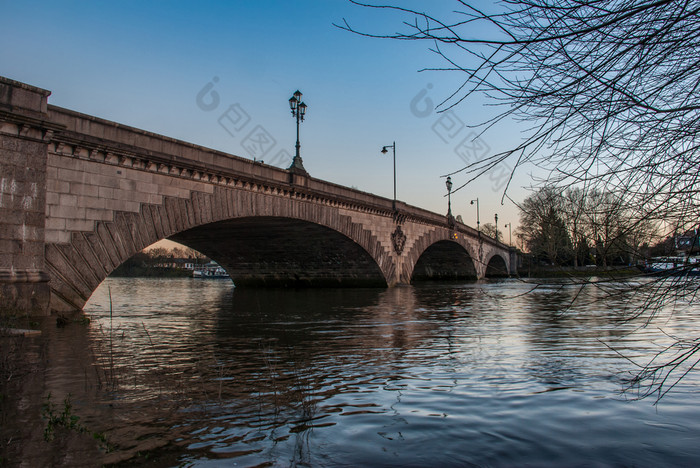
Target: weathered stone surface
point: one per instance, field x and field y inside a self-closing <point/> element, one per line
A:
<point x="25" y="297"/>
<point x="23" y="279"/>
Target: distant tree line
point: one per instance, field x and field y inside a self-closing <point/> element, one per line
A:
<point x="159" y="262"/>
<point x="577" y="227"/>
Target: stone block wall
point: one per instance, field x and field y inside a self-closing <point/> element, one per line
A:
<point x="23" y="151"/>
<point x="85" y="188"/>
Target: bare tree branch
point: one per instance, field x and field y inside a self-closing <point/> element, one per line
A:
<point x="609" y="92"/>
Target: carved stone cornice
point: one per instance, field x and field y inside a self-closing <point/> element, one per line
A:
<point x="28" y="128"/>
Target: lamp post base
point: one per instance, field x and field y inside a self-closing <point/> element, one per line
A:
<point x="297" y="173"/>
<point x="297" y="166"/>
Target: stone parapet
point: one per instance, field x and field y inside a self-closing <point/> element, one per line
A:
<point x="21" y="99"/>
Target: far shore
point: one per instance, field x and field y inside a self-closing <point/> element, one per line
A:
<point x="578" y="272"/>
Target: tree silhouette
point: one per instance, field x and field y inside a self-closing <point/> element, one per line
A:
<point x="489" y="229"/>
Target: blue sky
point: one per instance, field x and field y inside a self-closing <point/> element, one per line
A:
<point x="143" y="64"/>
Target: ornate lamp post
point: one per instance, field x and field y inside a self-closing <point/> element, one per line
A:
<point x="477" y="213"/>
<point x="298" y="111"/>
<point x="510" y="233"/>
<point x="448" y="184"/>
<point x="384" y="151"/>
<point x="495" y="217"/>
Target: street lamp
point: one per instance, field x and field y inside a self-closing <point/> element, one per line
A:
<point x="510" y="233"/>
<point x="448" y="184"/>
<point x="384" y="151"/>
<point x="477" y="213"/>
<point x="495" y="217"/>
<point x="298" y="111"/>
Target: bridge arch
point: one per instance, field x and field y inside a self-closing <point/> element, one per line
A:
<point x="266" y="251"/>
<point x="441" y="254"/>
<point x="78" y="267"/>
<point x="496" y="267"/>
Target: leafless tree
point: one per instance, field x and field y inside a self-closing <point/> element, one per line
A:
<point x="565" y="225"/>
<point x="177" y="252"/>
<point x="194" y="254"/>
<point x="489" y="229"/>
<point x="604" y="217"/>
<point x="608" y="92"/>
<point x="159" y="253"/>
<point x="542" y="223"/>
<point x="573" y="210"/>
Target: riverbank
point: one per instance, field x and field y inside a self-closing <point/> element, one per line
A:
<point x="579" y="272"/>
<point x="150" y="272"/>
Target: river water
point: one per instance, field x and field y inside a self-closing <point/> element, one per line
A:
<point x="186" y="372"/>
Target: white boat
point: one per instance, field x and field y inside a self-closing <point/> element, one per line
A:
<point x="210" y="271"/>
<point x="673" y="266"/>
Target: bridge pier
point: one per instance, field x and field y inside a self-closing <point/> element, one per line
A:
<point x="513" y="263"/>
<point x="24" y="282"/>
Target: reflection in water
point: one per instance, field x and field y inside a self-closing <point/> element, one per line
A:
<point x="440" y="374"/>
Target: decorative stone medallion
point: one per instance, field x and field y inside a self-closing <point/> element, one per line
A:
<point x="398" y="238"/>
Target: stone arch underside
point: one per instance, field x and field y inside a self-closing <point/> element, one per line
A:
<point x="460" y="246"/>
<point x="444" y="260"/>
<point x="77" y="268"/>
<point x="284" y="252"/>
<point x="496" y="267"/>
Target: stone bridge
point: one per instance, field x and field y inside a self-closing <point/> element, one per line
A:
<point x="80" y="195"/>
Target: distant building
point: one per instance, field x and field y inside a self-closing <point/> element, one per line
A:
<point x="204" y="268"/>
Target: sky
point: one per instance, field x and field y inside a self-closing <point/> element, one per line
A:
<point x="156" y="65"/>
